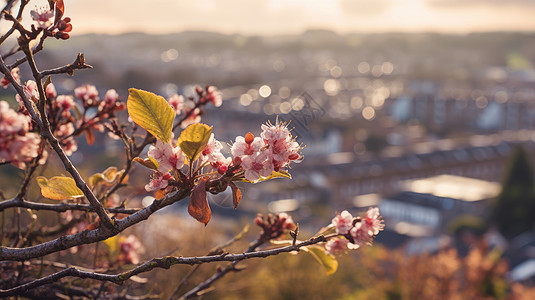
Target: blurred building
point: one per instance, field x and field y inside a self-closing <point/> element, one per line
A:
<point x="428" y="206"/>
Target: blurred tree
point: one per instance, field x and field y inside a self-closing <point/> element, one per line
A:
<point x="514" y="208"/>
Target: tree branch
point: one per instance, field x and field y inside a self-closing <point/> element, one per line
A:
<point x="7" y="11"/>
<point x="164" y="262"/>
<point x="88" y="237"/>
<point x="78" y="64"/>
<point x="44" y="127"/>
<point x="232" y="267"/>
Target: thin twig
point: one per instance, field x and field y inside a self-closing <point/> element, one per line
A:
<point x="7" y="11"/>
<point x="78" y="64"/>
<point x="29" y="172"/>
<point x="222" y="272"/>
<point x="217" y="250"/>
<point x="61" y="207"/>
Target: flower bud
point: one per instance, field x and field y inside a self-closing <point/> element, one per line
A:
<point x="249" y="138"/>
<point x="236" y="161"/>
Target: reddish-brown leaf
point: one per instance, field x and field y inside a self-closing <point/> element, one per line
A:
<point x="236" y="194"/>
<point x="89" y="136"/>
<point x="198" y="206"/>
<point x="60" y="9"/>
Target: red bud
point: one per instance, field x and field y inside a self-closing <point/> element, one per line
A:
<point x="293" y="156"/>
<point x="249" y="138"/>
<point x="236" y="161"/>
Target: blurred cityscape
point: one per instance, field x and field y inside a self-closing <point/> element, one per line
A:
<point x="421" y="125"/>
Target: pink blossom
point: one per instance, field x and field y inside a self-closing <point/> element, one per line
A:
<point x="12" y="122"/>
<point x="51" y="91"/>
<point x="360" y="235"/>
<point x="167" y="156"/>
<point x="243" y="147"/>
<point x="177" y="102"/>
<point x="287" y="221"/>
<point x="17" y="145"/>
<point x="336" y="245"/>
<point x="69" y="144"/>
<point x="275" y="132"/>
<point x="130" y="248"/>
<point x="212" y="148"/>
<point x="214" y="96"/>
<point x="110" y="98"/>
<point x="16" y="75"/>
<point x="281" y="145"/>
<point x="193" y="118"/>
<point x="88" y="94"/>
<point x="256" y="166"/>
<point x="212" y="154"/>
<point x="273" y="226"/>
<point x="159" y="181"/>
<point x="31" y="92"/>
<point x="65" y="102"/>
<point x="343" y="222"/>
<point x="372" y="224"/>
<point x="42" y="16"/>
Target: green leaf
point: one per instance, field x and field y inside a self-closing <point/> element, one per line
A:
<point x="152" y="112"/>
<point x="194" y="139"/>
<point x="59" y="188"/>
<point x="328" y="261"/>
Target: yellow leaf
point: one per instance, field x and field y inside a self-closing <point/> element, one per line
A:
<point x="108" y="177"/>
<point x="150" y="162"/>
<point x="328" y="261"/>
<point x="194" y="139"/>
<point x="112" y="244"/>
<point x="152" y="112"/>
<point x="59" y="188"/>
<point x="279" y="174"/>
<point x="274" y="174"/>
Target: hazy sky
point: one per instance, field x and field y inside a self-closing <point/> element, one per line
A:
<point x="294" y="16"/>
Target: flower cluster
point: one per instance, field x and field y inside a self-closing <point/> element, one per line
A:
<point x="61" y="109"/>
<point x="31" y="92"/>
<point x="52" y="21"/>
<point x="354" y="232"/>
<point x="192" y="115"/>
<point x="171" y="158"/>
<point x="254" y="158"/>
<point x="212" y="155"/>
<point x="273" y="226"/>
<point x="210" y="94"/>
<point x="17" y="145"/>
<point x="105" y="108"/>
<point x="272" y="151"/>
<point x="168" y="157"/>
<point x="42" y="16"/>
